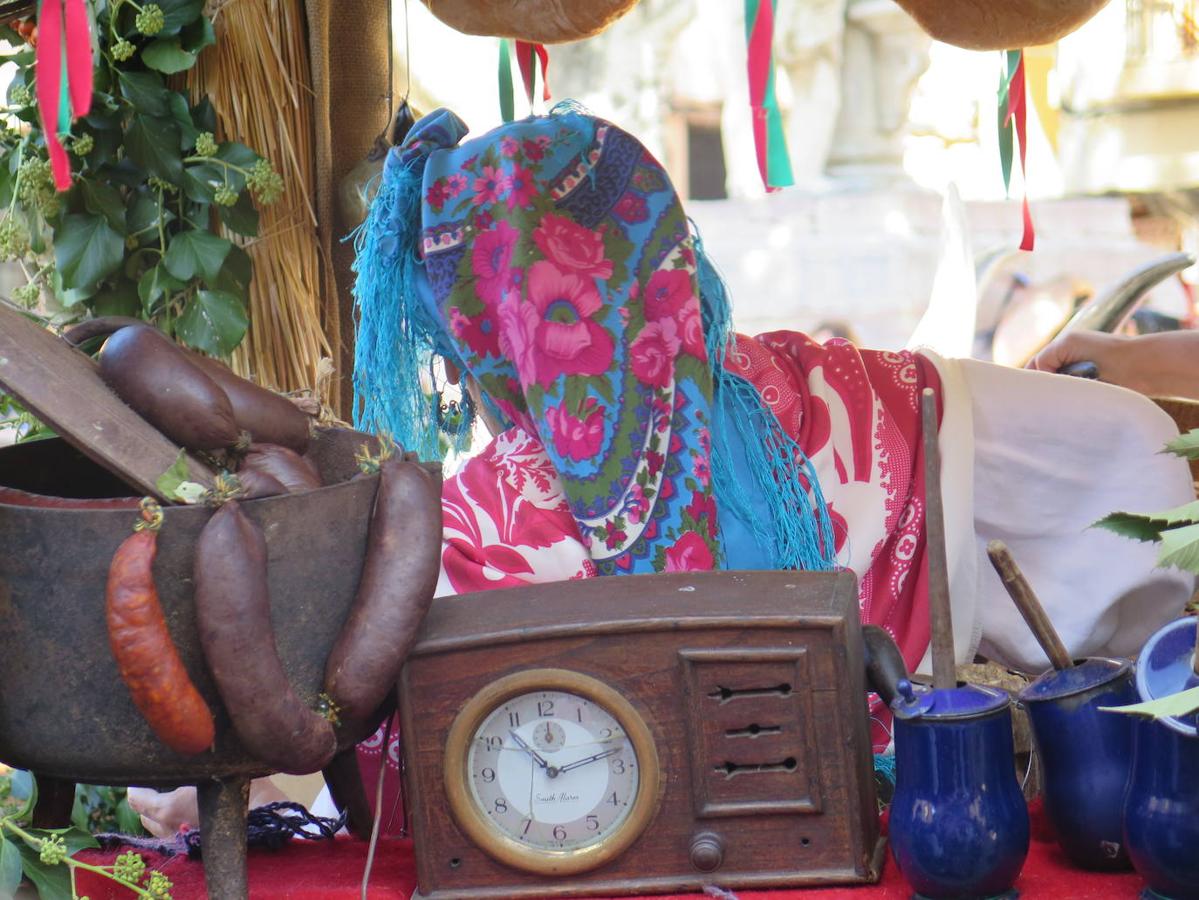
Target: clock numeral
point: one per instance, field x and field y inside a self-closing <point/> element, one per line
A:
<point x="528" y="825"/>
<point x="494" y="743"/>
<point x="605" y="733"/>
<point x="545" y="708"/>
<point x="618" y="765"/>
<point x="593" y="823"/>
<point x="559" y="833"/>
<point x="501" y="805"/>
<point x="514" y="719"/>
<point x="613" y="800"/>
<point x="579" y="714"/>
<point x="488" y="775"/>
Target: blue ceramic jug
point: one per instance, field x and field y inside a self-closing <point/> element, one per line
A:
<point x="1161" y="810"/>
<point x="1086" y="756"/>
<point x="959" y="824"/>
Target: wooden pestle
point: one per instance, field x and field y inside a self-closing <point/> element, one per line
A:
<point x="1030" y="607"/>
<point x="941" y="618"/>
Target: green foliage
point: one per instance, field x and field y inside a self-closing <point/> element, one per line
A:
<point x="1176" y="529"/>
<point x="132" y="235"/>
<point x="45" y="857"/>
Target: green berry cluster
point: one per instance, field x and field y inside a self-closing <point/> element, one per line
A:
<point x="150" y="20"/>
<point x="37" y="187"/>
<point x="14" y="241"/>
<point x="53" y="850"/>
<point x="123" y="50"/>
<point x="159" y="886"/>
<point x="159" y="184"/>
<point x="265" y="182"/>
<point x="20" y="95"/>
<point x="27" y="294"/>
<point x="206" y="144"/>
<point x="129" y="867"/>
<point x="225" y="196"/>
<point x="83" y="145"/>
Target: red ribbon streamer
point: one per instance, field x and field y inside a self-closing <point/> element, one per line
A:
<point x="524" y="58"/>
<point x="1017" y="111"/>
<point x="62" y="38"/>
<point x="758" y="63"/>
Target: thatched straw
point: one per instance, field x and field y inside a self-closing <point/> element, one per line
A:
<point x="258" y="79"/>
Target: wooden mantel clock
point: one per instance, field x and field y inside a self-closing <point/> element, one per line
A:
<point x="641" y="734"/>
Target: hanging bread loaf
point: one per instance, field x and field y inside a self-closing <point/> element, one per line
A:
<point x="538" y="21"/>
<point x="1004" y="25"/>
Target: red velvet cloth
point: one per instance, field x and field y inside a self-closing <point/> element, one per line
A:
<point x="332" y="870"/>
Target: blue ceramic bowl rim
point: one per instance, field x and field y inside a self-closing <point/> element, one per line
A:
<point x="1172" y="645"/>
<point x="1057" y="684"/>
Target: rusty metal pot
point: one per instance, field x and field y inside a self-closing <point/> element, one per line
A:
<point x="64" y="712"/>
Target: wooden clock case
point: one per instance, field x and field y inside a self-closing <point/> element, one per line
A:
<point x="752" y="684"/>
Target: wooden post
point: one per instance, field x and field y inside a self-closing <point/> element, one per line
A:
<point x="944" y="667"/>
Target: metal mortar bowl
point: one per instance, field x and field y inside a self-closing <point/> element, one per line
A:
<point x="64" y="711"/>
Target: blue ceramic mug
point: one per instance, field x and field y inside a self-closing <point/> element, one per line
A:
<point x="959" y="824"/>
<point x="1161" y="810"/>
<point x="1086" y="756"/>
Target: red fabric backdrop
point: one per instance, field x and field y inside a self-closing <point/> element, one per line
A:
<point x="332" y="870"/>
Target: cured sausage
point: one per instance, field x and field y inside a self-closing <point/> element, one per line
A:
<point x="141" y="643"/>
<point x="399" y="577"/>
<point x="269" y="417"/>
<point x="153" y="376"/>
<point x="285" y="466"/>
<point x="233" y="612"/>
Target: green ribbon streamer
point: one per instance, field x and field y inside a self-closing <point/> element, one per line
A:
<point x="1006" y="126"/>
<point x="507" y="102"/>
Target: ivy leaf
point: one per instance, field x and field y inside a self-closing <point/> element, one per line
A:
<point x="179" y="13"/>
<point x="213" y="321"/>
<point x="1185" y="445"/>
<point x="1180" y="547"/>
<point x="168" y="56"/>
<point x="86" y="249"/>
<point x="51" y="882"/>
<point x="241" y="217"/>
<point x="168" y="482"/>
<point x="236" y="274"/>
<point x="155" y="284"/>
<point x="183" y="117"/>
<point x="198" y="35"/>
<point x="104" y="200"/>
<point x="1180" y="704"/>
<point x="143" y="215"/>
<point x="204" y="115"/>
<point x="201" y="181"/>
<point x="10" y="868"/>
<point x="146" y="91"/>
<point x="153" y="143"/>
<point x="121" y="300"/>
<point x="23" y="787"/>
<point x="195" y="253"/>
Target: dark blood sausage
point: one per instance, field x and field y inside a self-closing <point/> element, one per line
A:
<point x="269" y="417"/>
<point x="99" y="327"/>
<point x="293" y="471"/>
<point x="152" y="375"/>
<point x="258" y="484"/>
<point x="146" y="656"/>
<point x="399" y="576"/>
<point x="233" y="611"/>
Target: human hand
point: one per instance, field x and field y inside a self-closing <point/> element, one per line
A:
<point x="1156" y="365"/>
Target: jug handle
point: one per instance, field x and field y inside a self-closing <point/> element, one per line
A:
<point x="885" y="668"/>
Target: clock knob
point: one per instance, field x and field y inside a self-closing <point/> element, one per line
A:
<point x="707" y="851"/>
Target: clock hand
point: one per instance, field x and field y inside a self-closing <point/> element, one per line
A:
<point x="537" y="758"/>
<point x="590" y="759"/>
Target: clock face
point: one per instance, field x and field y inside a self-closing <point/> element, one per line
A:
<point x="553" y="770"/>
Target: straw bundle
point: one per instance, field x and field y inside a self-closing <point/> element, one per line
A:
<point x="258" y="79"/>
